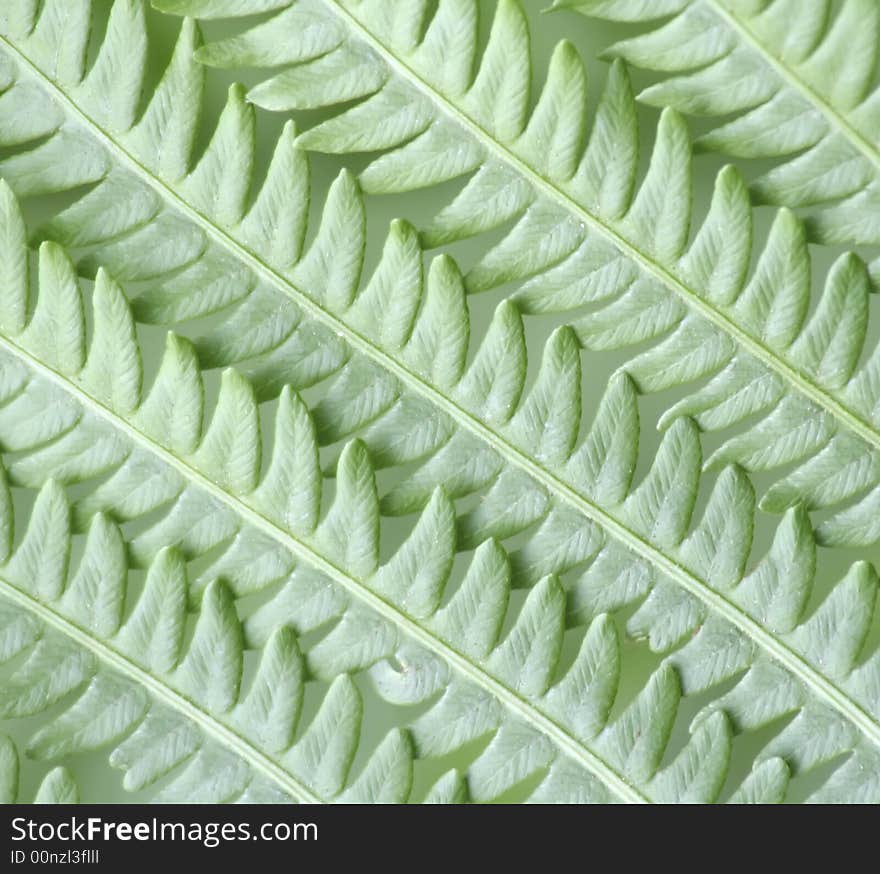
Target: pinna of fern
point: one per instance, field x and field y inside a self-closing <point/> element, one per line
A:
<point x="506" y="337"/>
<point x="655" y="519"/>
<point x="473" y="616"/>
<point x="814" y="412"/>
<point x="585" y="240"/>
<point x="522" y="663"/>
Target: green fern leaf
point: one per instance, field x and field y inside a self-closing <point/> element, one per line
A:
<point x="199" y="245"/>
<point x="588" y="236"/>
<point x="520" y="667"/>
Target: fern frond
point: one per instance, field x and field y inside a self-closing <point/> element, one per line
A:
<point x="587" y="240"/>
<point x="297" y="315"/>
<point x="165" y="709"/>
<point x="249" y="514"/>
<point x="217" y="494"/>
<point x="799" y="83"/>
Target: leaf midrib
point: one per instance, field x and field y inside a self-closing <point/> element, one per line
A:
<point x="163" y="693"/>
<point x="815" y="393"/>
<point x="789" y="75"/>
<point x="778" y="650"/>
<point x="566" y="742"/>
